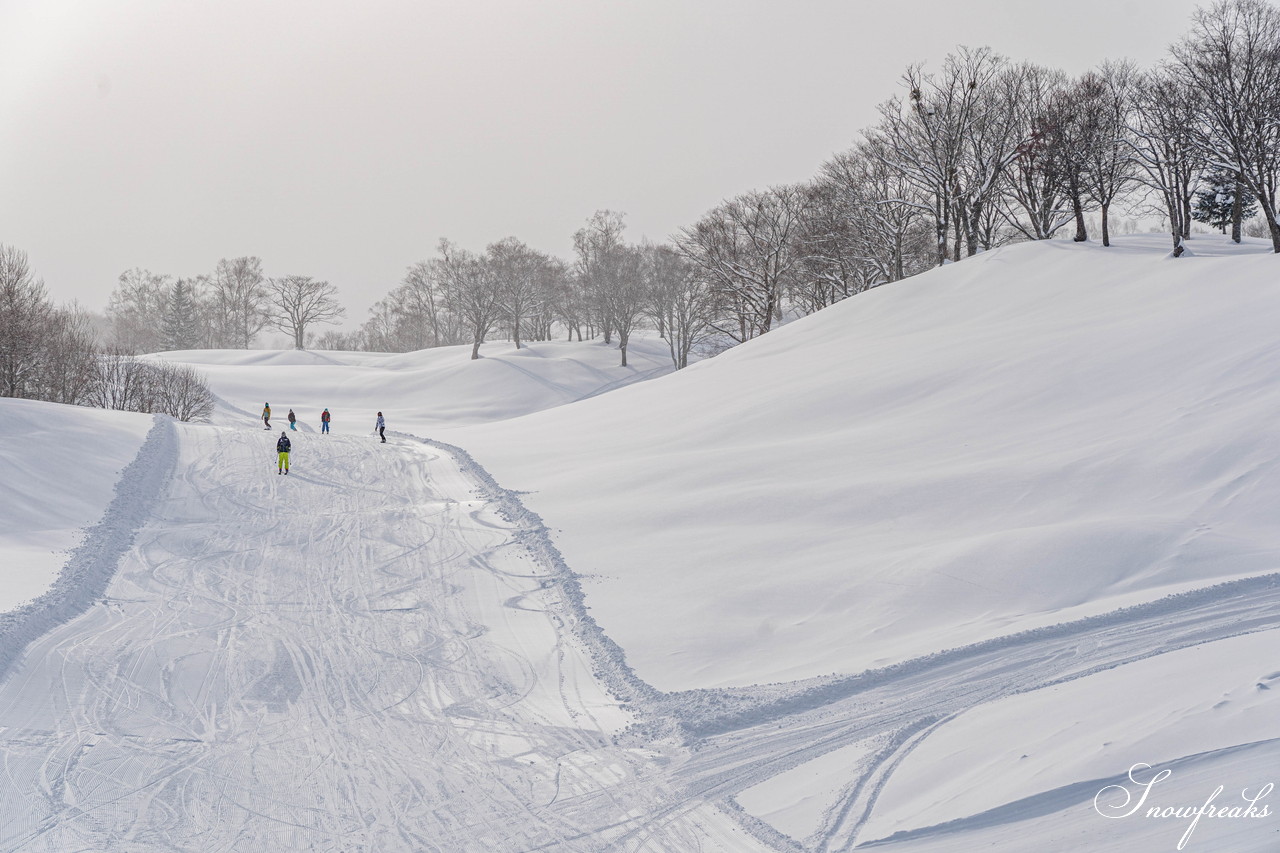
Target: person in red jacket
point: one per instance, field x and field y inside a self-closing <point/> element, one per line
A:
<point x="324" y="421"/>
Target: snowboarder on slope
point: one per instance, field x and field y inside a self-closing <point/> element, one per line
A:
<point x="293" y="420"/>
<point x="266" y="415"/>
<point x="381" y="427"/>
<point x="282" y="449"/>
<point x="324" y="421"/>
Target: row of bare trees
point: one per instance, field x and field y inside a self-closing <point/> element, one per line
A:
<point x="990" y="150"/>
<point x="51" y="353"/>
<point x="982" y="152"/>
<point x="611" y="288"/>
<point x="226" y="310"/>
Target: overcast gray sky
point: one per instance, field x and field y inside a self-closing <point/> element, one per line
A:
<point x="341" y="140"/>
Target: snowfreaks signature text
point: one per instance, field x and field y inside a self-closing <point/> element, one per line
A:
<point x="1128" y="807"/>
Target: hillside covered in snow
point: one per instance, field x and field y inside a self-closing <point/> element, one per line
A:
<point x="935" y="568"/>
<point x="1042" y="433"/>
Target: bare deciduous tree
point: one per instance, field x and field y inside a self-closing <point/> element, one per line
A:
<point x="1109" y="167"/>
<point x="679" y="302"/>
<point x="1036" y="199"/>
<point x="136" y="310"/>
<point x="600" y="251"/>
<point x="519" y="273"/>
<point x="240" y="297"/>
<point x="1233" y="56"/>
<point x="300" y="301"/>
<point x="25" y="312"/>
<point x="471" y="292"/>
<point x="745" y="249"/>
<point x="1160" y="129"/>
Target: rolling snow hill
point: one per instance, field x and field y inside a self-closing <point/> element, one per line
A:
<point x="930" y="570"/>
<point x="420" y="391"/>
<point x="1038" y="434"/>
<point x="61" y="465"/>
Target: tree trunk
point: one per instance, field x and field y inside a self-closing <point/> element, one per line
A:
<point x="1082" y="234"/>
<point x="941" y="229"/>
<point x="971" y="230"/>
<point x="475" y="349"/>
<point x="1237" y="212"/>
<point x="1106" y="228"/>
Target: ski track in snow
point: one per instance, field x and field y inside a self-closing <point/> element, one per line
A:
<point x="385" y="651"/>
<point x="359" y="656"/>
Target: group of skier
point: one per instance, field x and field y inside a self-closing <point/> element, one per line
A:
<point x="284" y="446"/>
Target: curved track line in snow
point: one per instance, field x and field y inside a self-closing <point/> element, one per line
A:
<point x="91" y="566"/>
<point x="745" y="736"/>
<point x="324" y="661"/>
<point x="610" y="660"/>
<point x="386" y="651"/>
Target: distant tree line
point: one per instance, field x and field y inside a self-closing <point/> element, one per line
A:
<point x="52" y="353"/>
<point x="228" y="309"/>
<point x="979" y="153"/>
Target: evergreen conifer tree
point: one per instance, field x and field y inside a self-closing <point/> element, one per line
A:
<point x="1214" y="203"/>
<point x="181" y="325"/>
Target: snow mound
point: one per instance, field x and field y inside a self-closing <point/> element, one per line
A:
<point x="419" y="392"/>
<point x="1041" y="433"/>
<point x="61" y="465"/>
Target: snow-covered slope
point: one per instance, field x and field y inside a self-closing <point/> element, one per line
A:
<point x="1034" y="435"/>
<point x="422" y="391"/>
<point x="61" y="465"/>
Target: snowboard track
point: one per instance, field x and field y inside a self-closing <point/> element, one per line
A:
<point x="730" y="739"/>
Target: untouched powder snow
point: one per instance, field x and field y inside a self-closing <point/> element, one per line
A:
<point x="1038" y="434"/>
<point x="61" y="465"/>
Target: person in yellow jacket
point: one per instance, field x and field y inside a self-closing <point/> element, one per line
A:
<point x="266" y="415"/>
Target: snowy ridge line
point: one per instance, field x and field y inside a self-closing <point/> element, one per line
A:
<point x="220" y="401"/>
<point x="753" y="708"/>
<point x="1049" y="802"/>
<point x="91" y="566"/>
<point x="609" y="662"/>
<point x="641" y="376"/>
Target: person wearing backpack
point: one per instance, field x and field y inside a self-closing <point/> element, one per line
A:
<point x="293" y="420"/>
<point x="282" y="450"/>
<point x="324" y="422"/>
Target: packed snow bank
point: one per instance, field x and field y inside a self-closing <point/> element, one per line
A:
<point x="1037" y="434"/>
<point x="418" y="392"/>
<point x="61" y="465"/>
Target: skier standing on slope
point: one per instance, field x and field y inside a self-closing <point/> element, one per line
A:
<point x="282" y="449"/>
<point x="266" y="415"/>
<point x="381" y="427"/>
<point x="293" y="420"/>
<point x="324" y="421"/>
